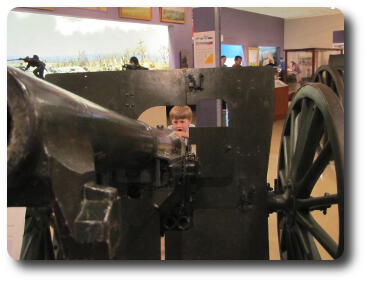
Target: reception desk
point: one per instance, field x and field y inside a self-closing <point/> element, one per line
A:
<point x="281" y="100"/>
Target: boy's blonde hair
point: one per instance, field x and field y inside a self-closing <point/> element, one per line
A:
<point x="181" y="112"/>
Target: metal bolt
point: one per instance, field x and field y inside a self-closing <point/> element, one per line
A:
<point x="324" y="211"/>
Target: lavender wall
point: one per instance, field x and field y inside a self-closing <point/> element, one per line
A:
<point x="241" y="27"/>
<point x="238" y="28"/>
<point x="203" y="19"/>
<point x="250" y="29"/>
<point x="180" y="34"/>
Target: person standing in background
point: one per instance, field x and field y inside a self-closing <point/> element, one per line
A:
<point x="297" y="71"/>
<point x="237" y="62"/>
<point x="223" y="59"/>
<point x="282" y="69"/>
<point x="269" y="60"/>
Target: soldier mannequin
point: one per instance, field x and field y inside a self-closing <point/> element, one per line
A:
<point x="35" y="62"/>
<point x="134" y="65"/>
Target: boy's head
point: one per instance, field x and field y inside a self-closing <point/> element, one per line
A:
<point x="181" y="117"/>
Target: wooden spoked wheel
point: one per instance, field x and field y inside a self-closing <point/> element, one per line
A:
<point x="315" y="113"/>
<point x="333" y="77"/>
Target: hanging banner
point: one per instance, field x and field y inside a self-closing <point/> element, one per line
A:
<point x="204" y="49"/>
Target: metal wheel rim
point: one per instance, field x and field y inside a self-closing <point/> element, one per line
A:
<point x="333" y="78"/>
<point x="332" y="114"/>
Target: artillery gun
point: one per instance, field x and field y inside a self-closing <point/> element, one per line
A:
<point x="115" y="186"/>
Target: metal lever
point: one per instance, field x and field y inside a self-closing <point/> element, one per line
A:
<point x="193" y="85"/>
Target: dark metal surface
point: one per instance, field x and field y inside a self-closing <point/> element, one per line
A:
<point x="69" y="142"/>
<point x="233" y="166"/>
<point x="83" y="143"/>
<point x="218" y="234"/>
<point x="128" y="92"/>
<point x="312" y="139"/>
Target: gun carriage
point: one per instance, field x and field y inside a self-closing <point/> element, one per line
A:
<point x="114" y="185"/>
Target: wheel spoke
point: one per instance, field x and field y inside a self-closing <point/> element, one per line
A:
<point x="286" y="152"/>
<point x="290" y="245"/>
<point x="306" y="111"/>
<point x="317" y="202"/>
<point x="305" y="186"/>
<point x="282" y="178"/>
<point x="333" y="87"/>
<point x="293" y="134"/>
<point x="282" y="237"/>
<point x="302" y="242"/>
<point x="297" y="245"/>
<point x="328" y="79"/>
<point x="310" y="242"/>
<point x="309" y="138"/>
<point x="309" y="223"/>
<point x="319" y="78"/>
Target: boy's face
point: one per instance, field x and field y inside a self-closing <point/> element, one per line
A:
<point x="180" y="125"/>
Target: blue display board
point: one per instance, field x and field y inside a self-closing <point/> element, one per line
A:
<point x="231" y="51"/>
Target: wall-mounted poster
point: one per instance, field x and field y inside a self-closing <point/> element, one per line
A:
<point x="139" y="13"/>
<point x="172" y="15"/>
<point x="253" y="54"/>
<point x="204" y="49"/>
<point x="269" y="55"/>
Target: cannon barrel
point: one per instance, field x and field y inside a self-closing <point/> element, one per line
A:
<point x="43" y="117"/>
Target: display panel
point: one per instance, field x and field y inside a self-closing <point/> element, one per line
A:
<point x="269" y="55"/>
<point x="299" y="65"/>
<point x="68" y="44"/>
<point x="231" y="51"/>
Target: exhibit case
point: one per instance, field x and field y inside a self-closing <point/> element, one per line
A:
<point x="307" y="60"/>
